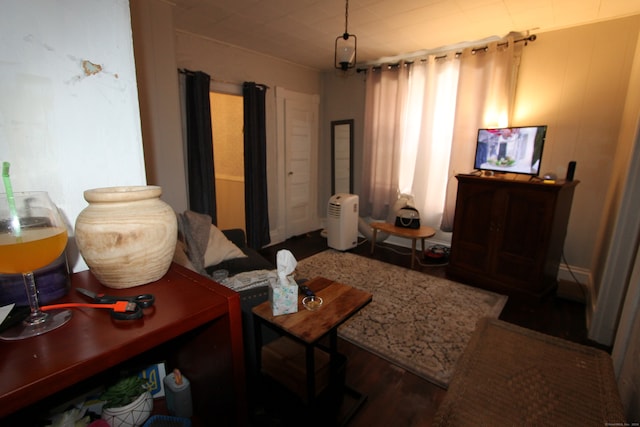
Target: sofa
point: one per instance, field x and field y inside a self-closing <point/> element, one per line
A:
<point x="205" y="249"/>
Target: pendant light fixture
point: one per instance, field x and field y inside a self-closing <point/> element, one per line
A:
<point x="345" y="53"/>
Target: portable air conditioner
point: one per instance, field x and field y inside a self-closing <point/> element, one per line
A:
<point x="342" y="221"/>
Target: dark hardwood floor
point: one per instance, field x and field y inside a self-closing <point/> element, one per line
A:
<point x="397" y="397"/>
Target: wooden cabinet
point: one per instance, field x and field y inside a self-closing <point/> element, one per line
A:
<point x="195" y="325"/>
<point x="508" y="235"/>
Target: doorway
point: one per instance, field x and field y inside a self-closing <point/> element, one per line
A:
<point x="227" y="121"/>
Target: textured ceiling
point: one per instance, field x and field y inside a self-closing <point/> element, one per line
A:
<point x="304" y="31"/>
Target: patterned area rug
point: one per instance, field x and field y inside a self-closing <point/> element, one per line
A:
<point x="419" y="322"/>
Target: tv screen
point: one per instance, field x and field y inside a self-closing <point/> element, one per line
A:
<point x="510" y="150"/>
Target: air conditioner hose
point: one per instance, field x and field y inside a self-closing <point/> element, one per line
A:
<point x="365" y="229"/>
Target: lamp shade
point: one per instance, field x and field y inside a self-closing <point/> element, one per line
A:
<point x="345" y="53"/>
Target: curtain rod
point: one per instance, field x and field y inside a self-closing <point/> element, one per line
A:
<point x="260" y="85"/>
<point x="185" y="71"/>
<point x="526" y="41"/>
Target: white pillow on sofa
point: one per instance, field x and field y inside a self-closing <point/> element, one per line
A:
<point x="219" y="248"/>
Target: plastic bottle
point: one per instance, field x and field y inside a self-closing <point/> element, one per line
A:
<point x="177" y="390"/>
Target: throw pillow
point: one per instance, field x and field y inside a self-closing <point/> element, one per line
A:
<point x="180" y="256"/>
<point x="220" y="248"/>
<point x="193" y="230"/>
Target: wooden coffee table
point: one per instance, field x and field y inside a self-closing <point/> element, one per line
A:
<point x="421" y="233"/>
<point x="340" y="302"/>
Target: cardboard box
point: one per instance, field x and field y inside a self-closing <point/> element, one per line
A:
<point x="154" y="374"/>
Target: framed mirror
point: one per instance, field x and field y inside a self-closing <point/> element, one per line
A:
<point x="342" y="156"/>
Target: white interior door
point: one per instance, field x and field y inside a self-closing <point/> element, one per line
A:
<point x="298" y="119"/>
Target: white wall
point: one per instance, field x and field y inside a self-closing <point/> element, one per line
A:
<point x="65" y="125"/>
<point x="344" y="100"/>
<point x="619" y="234"/>
<point x="576" y="81"/>
<point x="154" y="48"/>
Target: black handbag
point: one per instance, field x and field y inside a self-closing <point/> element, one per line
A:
<point x="408" y="217"/>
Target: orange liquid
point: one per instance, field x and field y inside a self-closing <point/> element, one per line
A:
<point x="35" y="248"/>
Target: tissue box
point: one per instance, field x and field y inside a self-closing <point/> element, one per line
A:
<point x="283" y="296"/>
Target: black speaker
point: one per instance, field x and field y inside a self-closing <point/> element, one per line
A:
<point x="571" y="170"/>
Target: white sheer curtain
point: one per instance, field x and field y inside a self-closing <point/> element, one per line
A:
<point x="486" y="91"/>
<point x="385" y="112"/>
<point x="429" y="129"/>
<point x="421" y="122"/>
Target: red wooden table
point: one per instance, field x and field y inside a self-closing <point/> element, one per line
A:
<point x="195" y="322"/>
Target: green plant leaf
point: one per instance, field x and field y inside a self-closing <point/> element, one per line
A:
<point x="124" y="392"/>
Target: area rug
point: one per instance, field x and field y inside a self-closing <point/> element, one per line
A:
<point x="416" y="321"/>
<point x="509" y="375"/>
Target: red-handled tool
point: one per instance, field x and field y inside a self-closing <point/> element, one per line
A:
<point x="130" y="306"/>
<point x="122" y="310"/>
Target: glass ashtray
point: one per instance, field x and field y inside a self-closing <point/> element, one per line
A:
<point x="312" y="302"/>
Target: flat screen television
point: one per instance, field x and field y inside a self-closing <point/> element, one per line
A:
<point x="510" y="150"/>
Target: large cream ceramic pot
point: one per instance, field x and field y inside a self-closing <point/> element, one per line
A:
<point x="127" y="235"/>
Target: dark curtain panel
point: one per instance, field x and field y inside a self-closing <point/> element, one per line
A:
<point x="255" y="166"/>
<point x="201" y="176"/>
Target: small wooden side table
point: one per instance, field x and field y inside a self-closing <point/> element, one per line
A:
<point x="340" y="302"/>
<point x="424" y="232"/>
